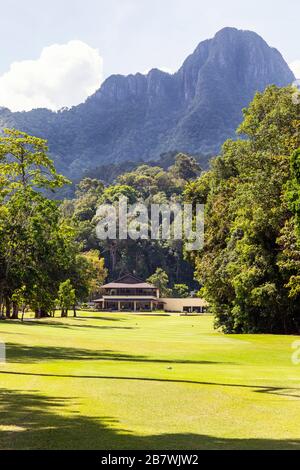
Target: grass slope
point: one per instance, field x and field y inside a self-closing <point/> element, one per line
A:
<point x="145" y="382"/>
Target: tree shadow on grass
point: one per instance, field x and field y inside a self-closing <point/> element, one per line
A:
<point x="77" y="322"/>
<point x="98" y="317"/>
<point x="291" y="392"/>
<point x="32" y="421"/>
<point x="34" y="354"/>
<point x="73" y="326"/>
<point x="30" y="354"/>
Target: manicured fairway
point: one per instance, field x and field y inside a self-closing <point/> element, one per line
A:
<point x="117" y="381"/>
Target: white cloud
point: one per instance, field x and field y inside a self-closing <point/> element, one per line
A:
<point x="295" y="67"/>
<point x="63" y="75"/>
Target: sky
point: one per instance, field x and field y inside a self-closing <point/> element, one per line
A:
<point x="55" y="53"/>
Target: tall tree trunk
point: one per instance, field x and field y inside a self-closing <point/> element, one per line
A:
<point x="8" y="307"/>
<point x="2" y="309"/>
<point x="15" y="311"/>
<point x="38" y="313"/>
<point x="44" y="313"/>
<point x="113" y="255"/>
<point x="74" y="310"/>
<point x="1" y="305"/>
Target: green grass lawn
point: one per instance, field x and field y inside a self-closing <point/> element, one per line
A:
<point x="117" y="381"/>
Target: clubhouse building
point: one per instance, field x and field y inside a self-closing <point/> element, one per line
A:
<point x="131" y="294"/>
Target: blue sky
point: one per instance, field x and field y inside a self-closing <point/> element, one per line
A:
<point x="130" y="35"/>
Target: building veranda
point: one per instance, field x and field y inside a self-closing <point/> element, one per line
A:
<point x="132" y="294"/>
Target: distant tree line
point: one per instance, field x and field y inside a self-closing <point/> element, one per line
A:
<point x="109" y="172"/>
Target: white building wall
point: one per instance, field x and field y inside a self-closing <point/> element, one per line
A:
<point x="179" y="305"/>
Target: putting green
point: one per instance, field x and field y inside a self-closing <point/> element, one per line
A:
<point x="121" y="381"/>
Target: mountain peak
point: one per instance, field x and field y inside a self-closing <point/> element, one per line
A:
<point x="232" y="31"/>
<point x="141" y="116"/>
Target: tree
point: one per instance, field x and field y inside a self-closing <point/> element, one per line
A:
<point x="88" y="193"/>
<point x="289" y="261"/>
<point x="20" y="298"/>
<point x="24" y="162"/>
<point x="250" y="262"/>
<point x="112" y="194"/>
<point x="185" y="167"/>
<point x="38" y="249"/>
<point x="293" y="189"/>
<point x="180" y="291"/>
<point x="160" y="280"/>
<point x="66" y="297"/>
<point x="97" y="272"/>
<point x="149" y="180"/>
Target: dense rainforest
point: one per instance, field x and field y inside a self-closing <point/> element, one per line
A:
<point x="150" y="185"/>
<point x="249" y="267"/>
<point x="250" y="262"/>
